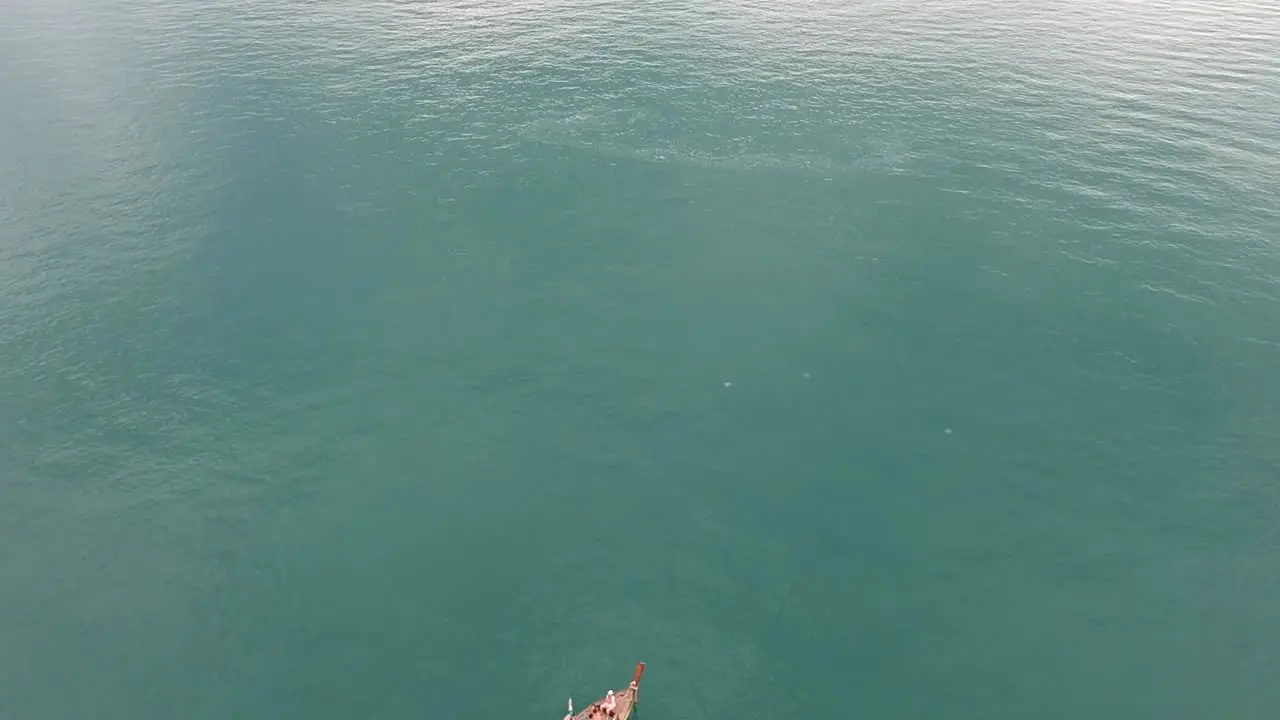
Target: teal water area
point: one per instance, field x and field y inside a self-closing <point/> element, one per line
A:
<point x="444" y="359"/>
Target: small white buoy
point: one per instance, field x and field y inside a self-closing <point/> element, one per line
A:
<point x="948" y="431"/>
<point x="728" y="384"/>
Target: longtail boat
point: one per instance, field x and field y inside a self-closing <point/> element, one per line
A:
<point x="624" y="703"/>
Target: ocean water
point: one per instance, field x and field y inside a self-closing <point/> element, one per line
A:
<point x="861" y="359"/>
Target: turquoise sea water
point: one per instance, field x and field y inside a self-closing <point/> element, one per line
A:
<point x="442" y="359"/>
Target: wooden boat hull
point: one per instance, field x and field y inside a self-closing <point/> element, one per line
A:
<point x="625" y="702"/>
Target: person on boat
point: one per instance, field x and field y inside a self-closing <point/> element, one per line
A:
<point x="570" y="715"/>
<point x="610" y="702"/>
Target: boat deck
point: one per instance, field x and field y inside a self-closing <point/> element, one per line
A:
<point x="625" y="705"/>
<point x="621" y="711"/>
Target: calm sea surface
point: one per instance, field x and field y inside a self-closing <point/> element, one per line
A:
<point x="839" y="358"/>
